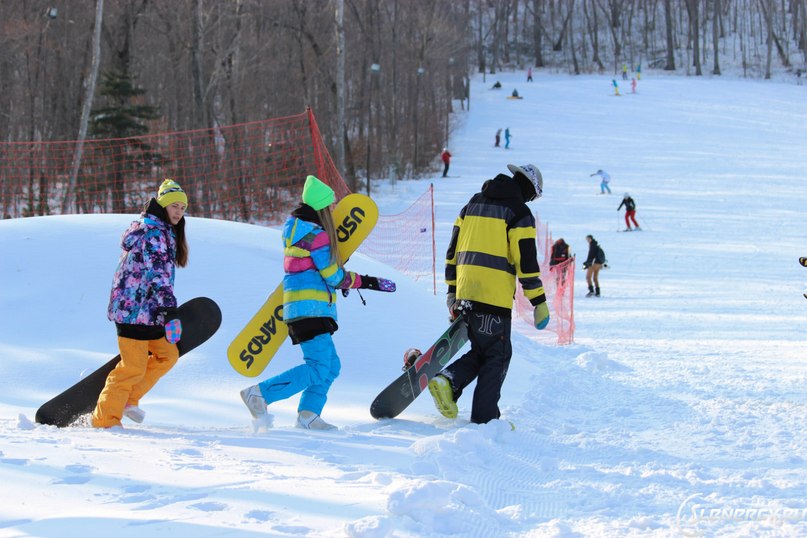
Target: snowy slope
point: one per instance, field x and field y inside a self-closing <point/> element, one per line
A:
<point x="679" y="409"/>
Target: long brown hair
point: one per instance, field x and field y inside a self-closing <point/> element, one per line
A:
<point x="182" y="243"/>
<point x="326" y="219"/>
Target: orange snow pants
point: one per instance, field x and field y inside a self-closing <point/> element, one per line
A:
<point x="142" y="364"/>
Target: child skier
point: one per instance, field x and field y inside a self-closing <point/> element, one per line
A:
<point x="314" y="271"/>
<point x="143" y="306"/>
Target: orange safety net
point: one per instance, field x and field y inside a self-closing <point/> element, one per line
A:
<point x="252" y="172"/>
<point x="558" y="283"/>
<point x="406" y="241"/>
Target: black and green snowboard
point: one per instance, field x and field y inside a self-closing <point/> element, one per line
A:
<point x="200" y="318"/>
<point x="403" y="391"/>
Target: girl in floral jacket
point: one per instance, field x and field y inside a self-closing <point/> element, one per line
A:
<point x="143" y="306"/>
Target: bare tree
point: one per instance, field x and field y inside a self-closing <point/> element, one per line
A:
<point x="694" y="36"/>
<point x="716" y="36"/>
<point x="89" y="95"/>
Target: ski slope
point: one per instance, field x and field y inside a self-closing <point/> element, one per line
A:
<point x="679" y="410"/>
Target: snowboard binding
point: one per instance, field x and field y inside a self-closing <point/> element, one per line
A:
<point x="410" y="356"/>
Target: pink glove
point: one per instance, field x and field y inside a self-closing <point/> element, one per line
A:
<point x="173" y="330"/>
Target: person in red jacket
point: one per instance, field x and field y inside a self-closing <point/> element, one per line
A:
<point x="446" y="156"/>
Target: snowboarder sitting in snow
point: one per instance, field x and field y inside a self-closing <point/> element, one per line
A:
<point x="143" y="306"/>
<point x="492" y="244"/>
<point x="314" y="271"/>
<point x="630" y="212"/>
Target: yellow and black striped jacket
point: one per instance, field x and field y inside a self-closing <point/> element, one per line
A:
<point x="492" y="244"/>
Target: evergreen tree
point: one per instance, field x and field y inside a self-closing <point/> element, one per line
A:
<point x="123" y="117"/>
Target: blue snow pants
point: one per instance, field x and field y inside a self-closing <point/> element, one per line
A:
<point x="314" y="378"/>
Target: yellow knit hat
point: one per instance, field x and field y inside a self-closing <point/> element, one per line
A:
<point x="317" y="194"/>
<point x="170" y="192"/>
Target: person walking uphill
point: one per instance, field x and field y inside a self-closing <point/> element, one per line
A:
<point x="630" y="212"/>
<point x="592" y="265"/>
<point x="446" y="156"/>
<point x="143" y="306"/>
<point x="492" y="244"/>
<point x="313" y="273"/>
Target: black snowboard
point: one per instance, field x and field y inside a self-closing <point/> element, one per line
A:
<point x="403" y="391"/>
<point x="200" y="317"/>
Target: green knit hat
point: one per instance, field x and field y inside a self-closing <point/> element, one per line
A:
<point x="317" y="194"/>
<point x="170" y="192"/>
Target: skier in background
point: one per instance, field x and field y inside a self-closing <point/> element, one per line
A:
<point x="630" y="212"/>
<point x="492" y="244"/>
<point x="498" y="138"/>
<point x="446" y="157"/>
<point x="633" y="85"/>
<point x="314" y="271"/>
<point x="605" y="178"/>
<point x="616" y="87"/>
<point x="143" y="306"/>
<point x="529" y="74"/>
<point x="594" y="262"/>
<point x="507" y="138"/>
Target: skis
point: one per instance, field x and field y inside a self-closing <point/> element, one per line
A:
<point x="200" y="317"/>
<point x="251" y="350"/>
<point x="403" y="391"/>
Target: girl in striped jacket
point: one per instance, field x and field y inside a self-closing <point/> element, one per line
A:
<point x="314" y="271"/>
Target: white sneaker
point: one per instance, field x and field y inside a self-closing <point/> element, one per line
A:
<point x="134" y="413"/>
<point x="254" y="401"/>
<point x="312" y="421"/>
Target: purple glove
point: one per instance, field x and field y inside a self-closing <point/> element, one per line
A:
<point x="376" y="284"/>
<point x="173" y="330"/>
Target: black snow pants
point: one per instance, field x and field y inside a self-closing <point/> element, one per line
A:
<point x="487" y="362"/>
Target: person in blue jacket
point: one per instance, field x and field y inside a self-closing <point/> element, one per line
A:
<point x="313" y="273"/>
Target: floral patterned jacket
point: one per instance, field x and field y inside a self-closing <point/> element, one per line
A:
<point x="143" y="285"/>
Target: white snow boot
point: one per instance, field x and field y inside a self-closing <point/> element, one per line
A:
<point x="254" y="401"/>
<point x="134" y="413"/>
<point x="312" y="421"/>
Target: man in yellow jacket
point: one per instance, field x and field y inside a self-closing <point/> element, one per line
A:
<point x="492" y="244"/>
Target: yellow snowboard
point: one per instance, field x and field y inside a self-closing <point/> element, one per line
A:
<point x="355" y="216"/>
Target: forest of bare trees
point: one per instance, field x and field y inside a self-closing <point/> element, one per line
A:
<point x="382" y="76"/>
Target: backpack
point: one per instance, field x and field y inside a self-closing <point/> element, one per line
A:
<point x="601" y="256"/>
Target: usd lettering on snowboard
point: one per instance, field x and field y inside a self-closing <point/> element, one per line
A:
<point x="251" y="350"/>
<point x="403" y="391"/>
<point x="201" y="318"/>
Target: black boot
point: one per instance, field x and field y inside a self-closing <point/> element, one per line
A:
<point x="590" y="291"/>
<point x="597" y="291"/>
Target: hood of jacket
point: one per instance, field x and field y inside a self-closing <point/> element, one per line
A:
<point x="154" y="216"/>
<point x="303" y="221"/>
<point x="502" y="187"/>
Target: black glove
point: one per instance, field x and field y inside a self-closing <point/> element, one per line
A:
<point x="586" y="265"/>
<point x="376" y="284"/>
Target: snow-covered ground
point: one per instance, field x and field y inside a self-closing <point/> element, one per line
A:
<point x="679" y="410"/>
